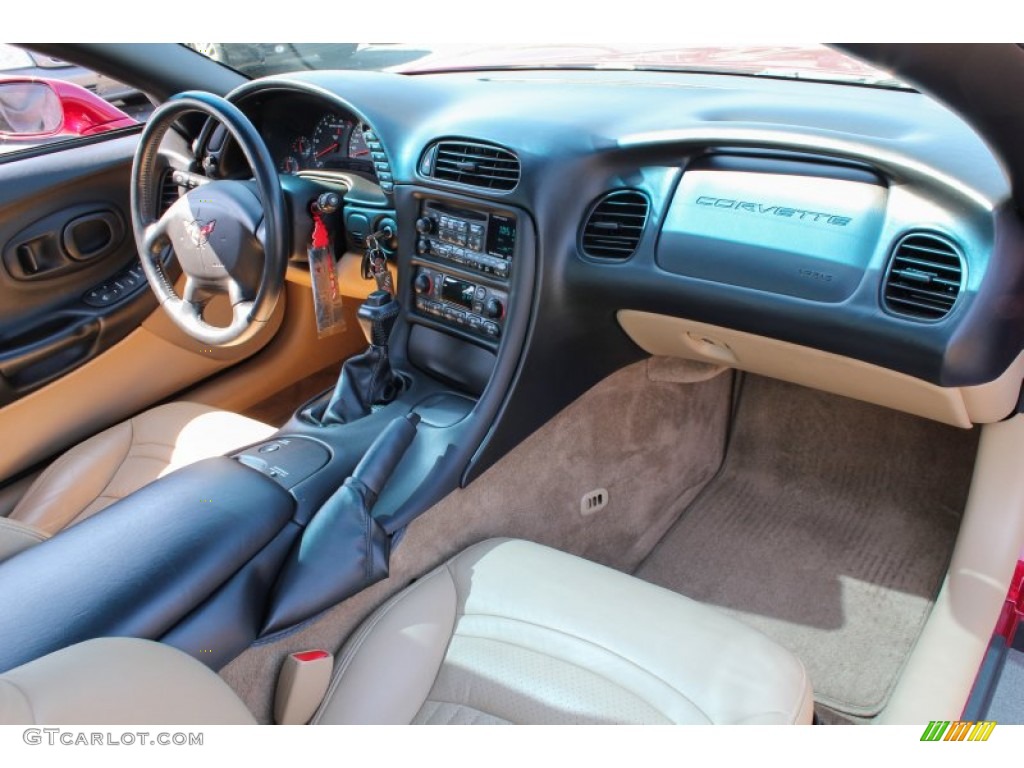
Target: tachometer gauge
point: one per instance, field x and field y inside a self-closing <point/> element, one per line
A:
<point x="329" y="141"/>
<point x="357" y="149"/>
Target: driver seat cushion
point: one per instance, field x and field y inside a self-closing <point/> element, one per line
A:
<point x="514" y="632"/>
<point x="121" y="460"/>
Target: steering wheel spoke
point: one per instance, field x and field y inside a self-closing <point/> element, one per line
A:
<point x="154" y="238"/>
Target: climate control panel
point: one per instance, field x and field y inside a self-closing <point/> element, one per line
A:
<point x="454" y="301"/>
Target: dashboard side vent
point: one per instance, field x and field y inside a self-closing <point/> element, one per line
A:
<point x="615" y="225"/>
<point x="472" y="163"/>
<point x="924" y="278"/>
<point x="169" y="192"/>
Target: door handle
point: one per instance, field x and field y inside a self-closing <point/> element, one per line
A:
<point x="92" y="236"/>
<point x="63" y="242"/>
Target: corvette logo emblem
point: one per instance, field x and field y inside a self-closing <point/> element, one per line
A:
<point x="199" y="231"/>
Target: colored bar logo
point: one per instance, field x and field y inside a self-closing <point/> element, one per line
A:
<point x="959" y="730"/>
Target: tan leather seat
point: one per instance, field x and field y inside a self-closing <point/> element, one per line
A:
<point x="118" y="461"/>
<point x="506" y="632"/>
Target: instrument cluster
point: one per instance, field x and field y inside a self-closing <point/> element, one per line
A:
<point x="333" y="142"/>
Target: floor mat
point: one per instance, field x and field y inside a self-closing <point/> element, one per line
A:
<point x="829" y="528"/>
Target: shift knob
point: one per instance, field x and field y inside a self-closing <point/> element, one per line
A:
<point x="380" y="310"/>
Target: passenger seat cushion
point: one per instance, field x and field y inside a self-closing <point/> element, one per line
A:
<point x="118" y="680"/>
<point x="533" y="635"/>
<point x="121" y="460"/>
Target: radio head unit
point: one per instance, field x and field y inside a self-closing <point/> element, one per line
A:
<point x="477" y="240"/>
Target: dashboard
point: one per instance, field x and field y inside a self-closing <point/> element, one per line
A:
<point x="853" y="239"/>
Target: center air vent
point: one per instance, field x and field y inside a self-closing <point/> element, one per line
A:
<point x="615" y="225"/>
<point x="924" y="278"/>
<point x="472" y="163"/>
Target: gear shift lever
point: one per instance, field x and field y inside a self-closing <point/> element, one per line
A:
<point x="367" y="379"/>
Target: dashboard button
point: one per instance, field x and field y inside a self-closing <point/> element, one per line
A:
<point x="492" y="329"/>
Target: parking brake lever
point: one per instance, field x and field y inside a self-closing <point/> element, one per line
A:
<point x="380" y="460"/>
<point x="343" y="549"/>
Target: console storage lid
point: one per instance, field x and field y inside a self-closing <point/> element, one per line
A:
<point x="139" y="566"/>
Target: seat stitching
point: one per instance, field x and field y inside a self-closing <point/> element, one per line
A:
<point x="103" y="491"/>
<point x="588" y="642"/>
<point x="360" y="636"/>
<point x="462" y="705"/>
<point x="25" y="696"/>
<point x="14" y="526"/>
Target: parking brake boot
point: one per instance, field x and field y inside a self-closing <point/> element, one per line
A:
<point x="343" y="549"/>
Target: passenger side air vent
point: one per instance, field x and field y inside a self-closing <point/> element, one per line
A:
<point x="924" y="278"/>
<point x="615" y="225"/>
<point x="169" y="192"/>
<point x="472" y="163"/>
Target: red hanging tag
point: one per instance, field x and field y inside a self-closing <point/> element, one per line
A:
<point x="327" y="302"/>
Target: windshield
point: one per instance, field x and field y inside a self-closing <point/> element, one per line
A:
<point x="807" y="62"/>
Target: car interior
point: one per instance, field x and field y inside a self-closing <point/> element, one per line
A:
<point x="517" y="395"/>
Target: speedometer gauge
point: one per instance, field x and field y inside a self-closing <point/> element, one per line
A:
<point x="329" y="141"/>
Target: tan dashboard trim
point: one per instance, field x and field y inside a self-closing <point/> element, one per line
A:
<point x="941" y="670"/>
<point x="678" y="337"/>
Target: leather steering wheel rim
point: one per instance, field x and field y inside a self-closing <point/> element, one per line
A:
<point x="247" y="220"/>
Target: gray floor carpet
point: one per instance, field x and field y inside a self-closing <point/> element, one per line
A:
<point x="829" y="528"/>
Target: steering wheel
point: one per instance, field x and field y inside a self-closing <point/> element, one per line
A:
<point x="228" y="236"/>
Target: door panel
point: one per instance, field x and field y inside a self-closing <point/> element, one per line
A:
<point x="70" y="286"/>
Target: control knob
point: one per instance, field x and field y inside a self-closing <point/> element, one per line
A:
<point x="423" y="245"/>
<point x="422" y="283"/>
<point x="494" y="309"/>
<point x="424" y="225"/>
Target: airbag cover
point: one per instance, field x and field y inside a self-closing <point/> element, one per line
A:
<point x="796" y="235"/>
